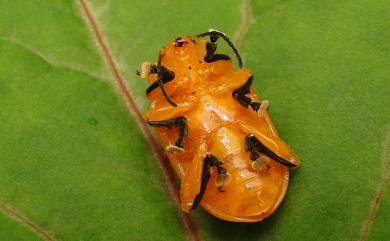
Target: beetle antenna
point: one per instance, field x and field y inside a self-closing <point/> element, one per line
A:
<point x="160" y="80"/>
<point x="160" y="55"/>
<point x="214" y="35"/>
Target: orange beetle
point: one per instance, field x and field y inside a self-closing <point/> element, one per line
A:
<point x="217" y="134"/>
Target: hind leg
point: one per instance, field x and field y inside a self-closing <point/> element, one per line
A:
<point x="270" y="145"/>
<point x="197" y="176"/>
<point x="191" y="183"/>
<point x="256" y="147"/>
<point x="221" y="180"/>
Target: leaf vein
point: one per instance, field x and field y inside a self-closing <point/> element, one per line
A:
<point x="52" y="61"/>
<point x="380" y="190"/>
<point x="16" y="215"/>
<point x="246" y="22"/>
<point x="156" y="150"/>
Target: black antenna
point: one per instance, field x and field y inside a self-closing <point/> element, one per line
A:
<point x="214" y="34"/>
<point x="159" y="58"/>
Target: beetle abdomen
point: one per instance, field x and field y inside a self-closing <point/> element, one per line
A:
<point x="250" y="196"/>
<point x="217" y="133"/>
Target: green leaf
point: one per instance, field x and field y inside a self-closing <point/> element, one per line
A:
<point x="74" y="161"/>
<point x="15" y="231"/>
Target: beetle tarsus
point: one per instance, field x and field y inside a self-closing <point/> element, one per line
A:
<point x="174" y="149"/>
<point x="263" y="108"/>
<point x="261" y="164"/>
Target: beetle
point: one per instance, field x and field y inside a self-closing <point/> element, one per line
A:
<point x="217" y="134"/>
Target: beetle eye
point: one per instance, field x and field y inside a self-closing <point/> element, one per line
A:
<point x="179" y="42"/>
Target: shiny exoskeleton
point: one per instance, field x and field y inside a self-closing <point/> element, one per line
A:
<point x="217" y="133"/>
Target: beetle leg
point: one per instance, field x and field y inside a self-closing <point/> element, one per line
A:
<point x="205" y="179"/>
<point x="179" y="122"/>
<point x="214" y="36"/>
<point x="164" y="76"/>
<point x="195" y="177"/>
<point x="263" y="108"/>
<point x="259" y="162"/>
<point x="210" y="55"/>
<point x="223" y="177"/>
<point x="254" y="145"/>
<point x="145" y="70"/>
<point x="240" y="95"/>
<point x="221" y="180"/>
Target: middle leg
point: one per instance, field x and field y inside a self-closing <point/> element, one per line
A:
<point x="179" y="122"/>
<point x="240" y="95"/>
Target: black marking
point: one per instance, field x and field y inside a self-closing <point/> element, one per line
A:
<point x="179" y="122"/>
<point x="255" y="106"/>
<point x="242" y="99"/>
<point x="245" y="88"/>
<point x="203" y="184"/>
<point x="254" y="144"/>
<point x="209" y="161"/>
<point x="154" y="85"/>
<point x="239" y="95"/>
<point x="211" y="48"/>
<point x="164" y="76"/>
<point x="168" y="98"/>
<point x="254" y="155"/>
<point x="214" y="35"/>
<point x="179" y="42"/>
<point x="215" y="57"/>
<point x="210" y="55"/>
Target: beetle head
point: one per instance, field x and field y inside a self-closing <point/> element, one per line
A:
<point x="185" y="64"/>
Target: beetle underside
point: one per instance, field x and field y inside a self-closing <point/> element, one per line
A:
<point x="219" y="137"/>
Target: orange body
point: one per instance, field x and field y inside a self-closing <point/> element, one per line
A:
<point x="217" y="124"/>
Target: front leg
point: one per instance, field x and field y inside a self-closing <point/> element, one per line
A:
<point x="164" y="76"/>
<point x="178" y="122"/>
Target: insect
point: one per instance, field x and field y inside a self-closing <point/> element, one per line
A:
<point x="216" y="132"/>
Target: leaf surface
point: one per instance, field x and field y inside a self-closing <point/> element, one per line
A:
<point x="75" y="162"/>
